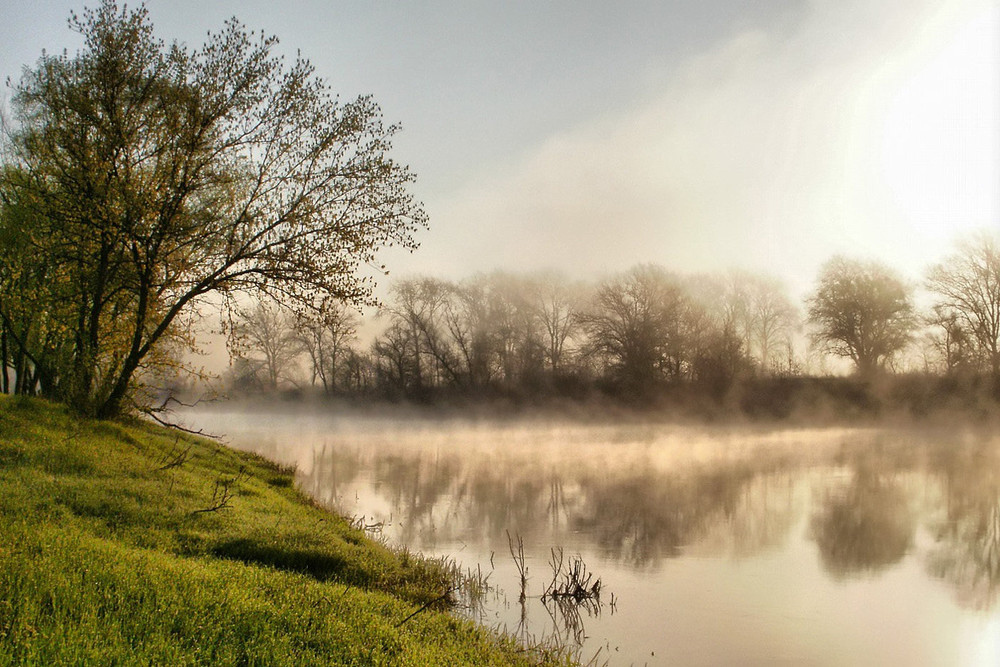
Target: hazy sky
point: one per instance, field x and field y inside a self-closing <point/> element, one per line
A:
<point x="591" y="136"/>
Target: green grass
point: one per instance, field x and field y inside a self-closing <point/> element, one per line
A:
<point x="133" y="544"/>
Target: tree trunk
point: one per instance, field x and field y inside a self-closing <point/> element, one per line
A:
<point x="4" y="379"/>
<point x="20" y="370"/>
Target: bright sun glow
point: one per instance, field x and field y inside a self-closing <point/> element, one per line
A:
<point x="940" y="138"/>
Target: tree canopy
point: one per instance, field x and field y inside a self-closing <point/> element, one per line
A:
<point x="141" y="177"/>
<point x="861" y="310"/>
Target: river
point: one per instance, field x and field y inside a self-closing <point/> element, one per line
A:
<point x="748" y="545"/>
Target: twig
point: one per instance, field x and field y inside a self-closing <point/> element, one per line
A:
<point x="222" y="494"/>
<point x="178" y="459"/>
<point x="576" y="581"/>
<point x="152" y="414"/>
<point x="172" y="399"/>
<point x="522" y="568"/>
<point x="359" y="523"/>
<point x="425" y="606"/>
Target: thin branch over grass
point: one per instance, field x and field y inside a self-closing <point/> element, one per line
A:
<point x="177" y="456"/>
<point x="222" y="493"/>
<point x="427" y="605"/>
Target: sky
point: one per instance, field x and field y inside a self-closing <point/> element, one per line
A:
<point x="588" y="137"/>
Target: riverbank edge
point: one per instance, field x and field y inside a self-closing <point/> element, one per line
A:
<point x="780" y="402"/>
<point x="129" y="543"/>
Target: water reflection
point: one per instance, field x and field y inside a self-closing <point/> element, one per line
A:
<point x="643" y="518"/>
<point x="669" y="515"/>
<point x="636" y="517"/>
<point x="863" y="526"/>
<point x="866" y="502"/>
<point x="966" y="529"/>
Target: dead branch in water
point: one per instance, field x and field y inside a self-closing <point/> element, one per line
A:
<point x="522" y="567"/>
<point x="360" y="523"/>
<point x="571" y="580"/>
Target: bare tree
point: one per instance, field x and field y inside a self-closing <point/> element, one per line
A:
<point x="750" y="310"/>
<point x="556" y="304"/>
<point x="952" y="346"/>
<point x="418" y="304"/>
<point x="484" y="333"/>
<point x="642" y="322"/>
<point x="861" y="310"/>
<point x="358" y="372"/>
<point x="266" y="340"/>
<point x="326" y="337"/>
<point x="394" y="363"/>
<point x="516" y="338"/>
<point x="967" y="284"/>
<point x="773" y="320"/>
<point x="467" y="318"/>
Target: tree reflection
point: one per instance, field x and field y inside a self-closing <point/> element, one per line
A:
<point x="640" y="519"/>
<point x="864" y="527"/>
<point x="761" y="520"/>
<point x="641" y="513"/>
<point x="967" y="549"/>
<point x="417" y="488"/>
<point x="637" y="519"/>
<point x="332" y="469"/>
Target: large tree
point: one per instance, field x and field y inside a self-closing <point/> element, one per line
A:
<point x="861" y="310"/>
<point x="142" y="177"/>
<point x="967" y="285"/>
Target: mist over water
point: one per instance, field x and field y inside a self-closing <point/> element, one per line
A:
<point x="720" y="545"/>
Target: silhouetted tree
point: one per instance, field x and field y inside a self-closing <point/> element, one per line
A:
<point x="358" y="372"/>
<point x="861" y="310"/>
<point x="396" y="372"/>
<point x="556" y="304"/>
<point x="950" y="341"/>
<point x="721" y="335"/>
<point x="516" y="336"/>
<point x="754" y="311"/>
<point x="967" y="284"/>
<point x="417" y="305"/>
<point x="772" y="322"/>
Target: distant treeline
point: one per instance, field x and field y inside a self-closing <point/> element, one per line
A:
<point x="648" y="334"/>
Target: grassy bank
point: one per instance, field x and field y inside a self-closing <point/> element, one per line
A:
<point x="131" y="544"/>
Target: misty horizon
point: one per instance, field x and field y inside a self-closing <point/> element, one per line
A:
<point x="374" y="320"/>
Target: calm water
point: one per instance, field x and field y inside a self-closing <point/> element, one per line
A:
<point x="719" y="545"/>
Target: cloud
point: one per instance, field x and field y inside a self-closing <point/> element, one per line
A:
<point x="771" y="151"/>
